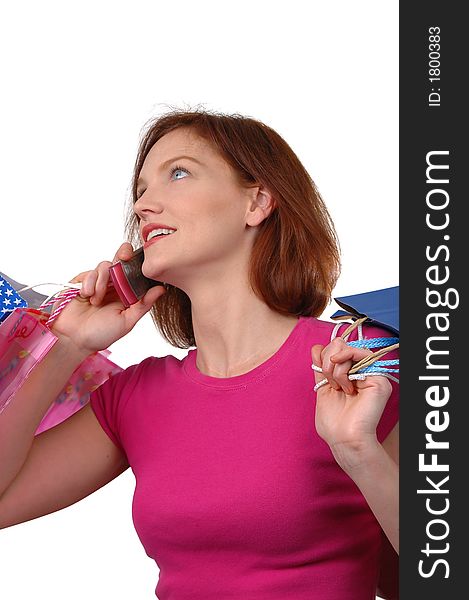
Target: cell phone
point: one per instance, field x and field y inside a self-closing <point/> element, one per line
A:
<point x="129" y="281"/>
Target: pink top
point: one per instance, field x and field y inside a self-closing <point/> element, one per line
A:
<point x="236" y="496"/>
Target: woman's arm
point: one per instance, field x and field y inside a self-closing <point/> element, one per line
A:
<point x="388" y="583"/>
<point x="376" y="473"/>
<point x="347" y="414"/>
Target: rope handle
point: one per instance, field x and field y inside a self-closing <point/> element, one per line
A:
<point x="67" y="294"/>
<point x="369" y="365"/>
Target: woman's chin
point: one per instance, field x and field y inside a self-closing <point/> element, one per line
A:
<point x="151" y="272"/>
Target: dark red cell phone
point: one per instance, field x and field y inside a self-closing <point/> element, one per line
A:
<point x="128" y="279"/>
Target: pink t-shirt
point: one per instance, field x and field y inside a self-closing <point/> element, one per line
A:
<point x="236" y="496"/>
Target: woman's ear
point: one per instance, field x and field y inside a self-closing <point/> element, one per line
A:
<point x="260" y="206"/>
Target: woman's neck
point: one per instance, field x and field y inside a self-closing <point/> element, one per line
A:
<point x="236" y="338"/>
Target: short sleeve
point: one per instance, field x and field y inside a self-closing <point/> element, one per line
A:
<point x="108" y="402"/>
<point x="390" y="416"/>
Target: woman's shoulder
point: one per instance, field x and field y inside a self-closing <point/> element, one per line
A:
<point x="328" y="330"/>
<point x="148" y="368"/>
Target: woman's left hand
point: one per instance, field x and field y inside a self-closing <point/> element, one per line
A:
<point x="347" y="412"/>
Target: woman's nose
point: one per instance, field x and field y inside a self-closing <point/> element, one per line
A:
<point x="145" y="206"/>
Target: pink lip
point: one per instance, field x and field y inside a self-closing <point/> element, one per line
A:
<point x="156" y="239"/>
<point x="149" y="228"/>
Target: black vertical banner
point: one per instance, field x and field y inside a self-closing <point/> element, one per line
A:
<point x="433" y="259"/>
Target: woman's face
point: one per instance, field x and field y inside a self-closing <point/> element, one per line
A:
<point x="186" y="185"/>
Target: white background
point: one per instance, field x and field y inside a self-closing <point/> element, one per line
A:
<point x="79" y="82"/>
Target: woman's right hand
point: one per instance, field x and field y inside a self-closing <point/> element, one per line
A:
<point x="96" y="318"/>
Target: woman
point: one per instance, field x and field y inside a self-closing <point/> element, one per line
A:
<point x="249" y="484"/>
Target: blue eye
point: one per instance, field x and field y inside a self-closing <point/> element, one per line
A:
<point x="177" y="168"/>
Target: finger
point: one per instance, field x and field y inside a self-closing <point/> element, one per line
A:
<point x="342" y="362"/>
<point x="327" y="365"/>
<point x="153" y="294"/>
<point x="124" y="252"/>
<point x="349" y="353"/>
<point x="136" y="311"/>
<point x="78" y="278"/>
<point x="317" y="360"/>
<point x="102" y="282"/>
<point x="340" y="375"/>
<point x="88" y="284"/>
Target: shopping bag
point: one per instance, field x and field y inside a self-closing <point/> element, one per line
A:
<point x="91" y="373"/>
<point x="9" y="296"/>
<point x="24" y="341"/>
<point x="380" y="306"/>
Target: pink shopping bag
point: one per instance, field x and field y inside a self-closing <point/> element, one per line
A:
<point x="24" y="341"/>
